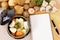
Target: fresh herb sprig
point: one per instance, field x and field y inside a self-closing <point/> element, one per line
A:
<point x="39" y="2"/>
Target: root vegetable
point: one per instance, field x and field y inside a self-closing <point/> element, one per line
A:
<point x="48" y="8"/>
<point x="31" y="11"/>
<point x="32" y="4"/>
<point x="18" y="9"/>
<point x="4" y="5"/>
<point x="52" y="3"/>
<point x="27" y="1"/>
<point x="26" y="6"/>
<point x="54" y="9"/>
<point x="20" y="2"/>
<point x="44" y="4"/>
<point x="3" y="0"/>
<point x="12" y="2"/>
<point x="42" y="9"/>
<point x="26" y="14"/>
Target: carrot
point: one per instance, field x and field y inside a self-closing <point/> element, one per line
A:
<point x="19" y="33"/>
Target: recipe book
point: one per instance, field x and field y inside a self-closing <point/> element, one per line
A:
<point x="41" y="27"/>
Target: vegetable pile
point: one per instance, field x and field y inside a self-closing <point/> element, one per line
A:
<point x="28" y="7"/>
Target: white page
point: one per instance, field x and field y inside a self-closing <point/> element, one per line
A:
<point x="41" y="28"/>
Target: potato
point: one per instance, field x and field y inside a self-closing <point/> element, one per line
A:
<point x="26" y="14"/>
<point x="4" y="5"/>
<point x="20" y="2"/>
<point x="12" y="2"/>
<point x="32" y="4"/>
<point x="26" y="6"/>
<point x="3" y="0"/>
<point x="27" y="1"/>
<point x="18" y="9"/>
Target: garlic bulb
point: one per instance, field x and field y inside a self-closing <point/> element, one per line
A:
<point x="13" y="30"/>
<point x="42" y="9"/>
<point x="31" y="10"/>
<point x="52" y="3"/>
<point x="48" y="8"/>
<point x="44" y="4"/>
<point x="54" y="9"/>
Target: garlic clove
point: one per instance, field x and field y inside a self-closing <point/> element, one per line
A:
<point x="48" y="8"/>
<point x="44" y="4"/>
<point x="52" y="3"/>
<point x="36" y="8"/>
<point x="42" y="9"/>
<point x="54" y="9"/>
<point x="31" y="10"/>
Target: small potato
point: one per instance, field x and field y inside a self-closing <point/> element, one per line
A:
<point x="32" y="4"/>
<point x="4" y="5"/>
<point x="20" y="2"/>
<point x="3" y="0"/>
<point x="26" y="14"/>
<point x="26" y="6"/>
<point x="27" y="1"/>
<point x="12" y="2"/>
<point x="18" y="9"/>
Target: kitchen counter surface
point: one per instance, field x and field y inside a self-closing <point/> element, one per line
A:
<point x="5" y="36"/>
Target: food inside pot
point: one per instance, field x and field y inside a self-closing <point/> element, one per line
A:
<point x="18" y="27"/>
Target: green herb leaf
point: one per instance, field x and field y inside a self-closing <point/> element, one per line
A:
<point x="38" y="2"/>
<point x="48" y="1"/>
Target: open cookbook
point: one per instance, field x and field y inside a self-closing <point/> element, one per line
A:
<point x="29" y="19"/>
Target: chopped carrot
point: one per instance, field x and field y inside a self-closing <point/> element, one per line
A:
<point x="19" y="33"/>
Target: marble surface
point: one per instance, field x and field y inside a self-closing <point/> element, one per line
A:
<point x="5" y="36"/>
